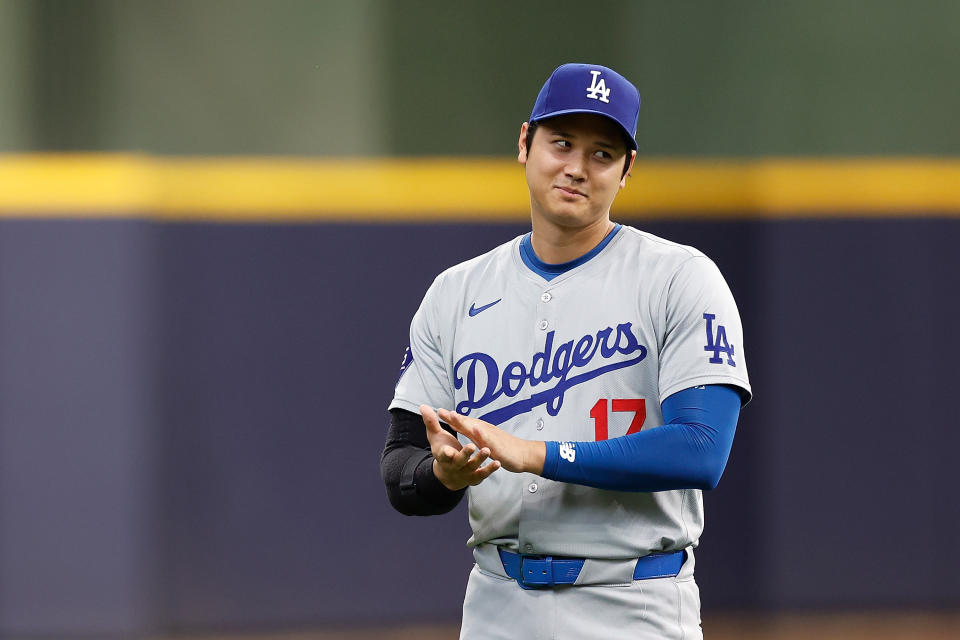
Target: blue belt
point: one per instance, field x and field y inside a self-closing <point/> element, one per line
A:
<point x="537" y="572"/>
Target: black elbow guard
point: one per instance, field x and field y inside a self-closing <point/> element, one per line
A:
<point x="406" y="467"/>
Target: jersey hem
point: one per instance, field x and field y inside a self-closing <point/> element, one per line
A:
<point x="686" y="383"/>
<point x="398" y="403"/>
<point x="579" y="549"/>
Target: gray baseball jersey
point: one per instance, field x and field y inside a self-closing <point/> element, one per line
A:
<point x="588" y="355"/>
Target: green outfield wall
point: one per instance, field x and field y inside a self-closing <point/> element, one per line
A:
<point x="429" y="77"/>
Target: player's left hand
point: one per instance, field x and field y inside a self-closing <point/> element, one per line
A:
<point x="515" y="454"/>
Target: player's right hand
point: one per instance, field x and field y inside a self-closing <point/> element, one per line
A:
<point x="456" y="466"/>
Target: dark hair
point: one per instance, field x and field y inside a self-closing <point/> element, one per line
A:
<point x="533" y="126"/>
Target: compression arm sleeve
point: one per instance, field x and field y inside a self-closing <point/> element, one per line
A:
<point x="689" y="451"/>
<point x="406" y="467"/>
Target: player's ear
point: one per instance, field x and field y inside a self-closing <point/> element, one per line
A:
<point x="633" y="158"/>
<point x="522" y="144"/>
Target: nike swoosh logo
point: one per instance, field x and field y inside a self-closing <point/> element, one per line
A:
<point x="474" y="310"/>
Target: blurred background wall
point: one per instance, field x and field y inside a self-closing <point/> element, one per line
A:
<point x="192" y="405"/>
<point x="374" y="77"/>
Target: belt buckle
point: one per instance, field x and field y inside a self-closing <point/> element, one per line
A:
<point x="536" y="572"/>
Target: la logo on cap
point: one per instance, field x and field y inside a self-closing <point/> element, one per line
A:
<point x="598" y="90"/>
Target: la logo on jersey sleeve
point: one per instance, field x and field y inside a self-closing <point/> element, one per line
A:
<point x="717" y="342"/>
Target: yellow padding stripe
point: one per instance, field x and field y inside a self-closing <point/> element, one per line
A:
<point x="302" y="189"/>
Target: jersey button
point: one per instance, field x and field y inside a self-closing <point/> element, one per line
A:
<point x="539" y="424"/>
<point x="546" y="297"/>
<point x="542" y="325"/>
<point x="533" y="487"/>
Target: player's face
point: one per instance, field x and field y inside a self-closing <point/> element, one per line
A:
<point x="574" y="169"/>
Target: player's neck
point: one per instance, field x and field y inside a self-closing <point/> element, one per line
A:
<point x="556" y="245"/>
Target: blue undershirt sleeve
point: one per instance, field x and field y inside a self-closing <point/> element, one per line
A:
<point x="689" y="451"/>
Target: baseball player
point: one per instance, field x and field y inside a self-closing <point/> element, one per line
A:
<point x="582" y="383"/>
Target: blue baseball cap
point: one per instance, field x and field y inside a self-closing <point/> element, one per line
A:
<point x="590" y="88"/>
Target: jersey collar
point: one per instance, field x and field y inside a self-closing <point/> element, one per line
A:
<point x="550" y="271"/>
